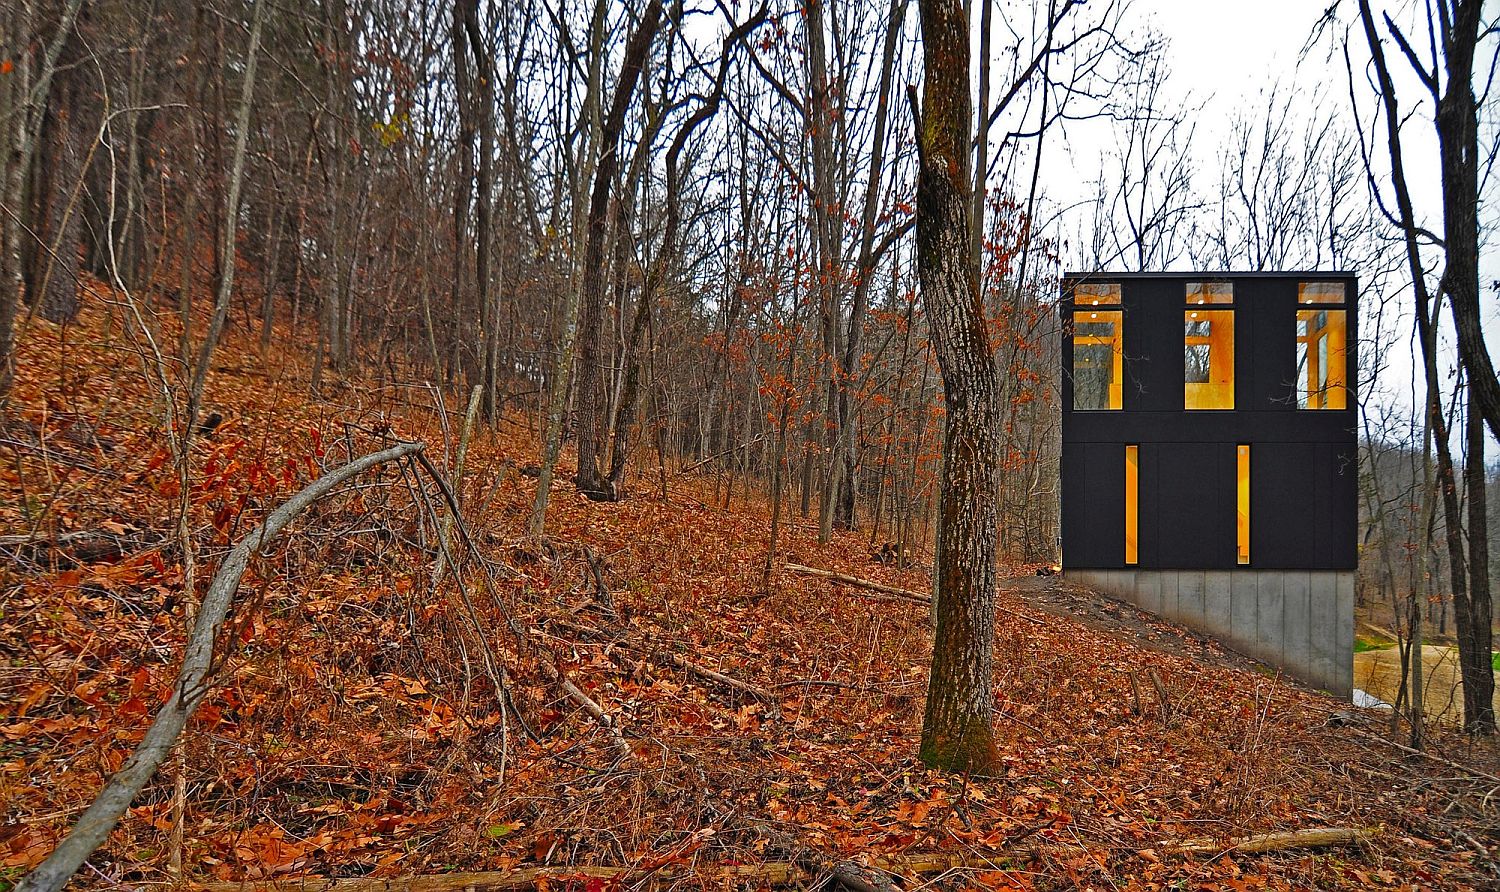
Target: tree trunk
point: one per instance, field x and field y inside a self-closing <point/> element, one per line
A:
<point x="1475" y="661"/>
<point x="231" y="223"/>
<point x="1464" y="610"/>
<point x="53" y="282"/>
<point x="956" y="729"/>
<point x="866" y="271"/>
<point x="1458" y="154"/>
<point x="591" y="410"/>
<point x="19" y="144"/>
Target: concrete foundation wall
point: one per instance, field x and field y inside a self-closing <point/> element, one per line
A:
<point x="1301" y="621"/>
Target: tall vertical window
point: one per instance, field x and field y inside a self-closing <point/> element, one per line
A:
<point x="1098" y="347"/>
<point x="1242" y="503"/>
<point x="1322" y="339"/>
<point x="1208" y="359"/>
<point x="1132" y="507"/>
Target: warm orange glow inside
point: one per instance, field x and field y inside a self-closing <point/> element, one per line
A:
<point x="1132" y="510"/>
<point x="1321" y="367"/>
<point x="1208" y="356"/>
<point x="1242" y="515"/>
<point x="1098" y="359"/>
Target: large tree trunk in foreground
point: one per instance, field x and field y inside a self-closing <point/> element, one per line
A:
<point x="956" y="729"/>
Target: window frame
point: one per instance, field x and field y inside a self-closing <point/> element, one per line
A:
<point x="1209" y="308"/>
<point x="1306" y="344"/>
<point x="1112" y="305"/>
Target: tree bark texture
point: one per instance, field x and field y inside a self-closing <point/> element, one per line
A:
<point x="1475" y="662"/>
<point x="956" y="728"/>
<point x="53" y="271"/>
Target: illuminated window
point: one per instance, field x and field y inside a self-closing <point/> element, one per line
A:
<point x="1208" y="359"/>
<point x="1098" y="359"/>
<point x="1242" y="513"/>
<point x="1096" y="295"/>
<point x="1320" y="293"/>
<point x="1132" y="511"/>
<point x="1210" y="293"/>
<point x="1321" y="379"/>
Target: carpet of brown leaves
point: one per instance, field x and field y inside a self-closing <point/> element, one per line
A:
<point x="355" y="730"/>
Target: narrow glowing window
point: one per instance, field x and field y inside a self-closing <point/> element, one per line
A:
<point x="1098" y="359"/>
<point x="1132" y="509"/>
<point x="1242" y="514"/>
<point x="1321" y="368"/>
<point x="1208" y="359"/>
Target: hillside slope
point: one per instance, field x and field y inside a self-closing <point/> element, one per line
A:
<point x="356" y="728"/>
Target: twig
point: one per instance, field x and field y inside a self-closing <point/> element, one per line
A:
<point x="590" y="706"/>
<point x="1458" y="766"/>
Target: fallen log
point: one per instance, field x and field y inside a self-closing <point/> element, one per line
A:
<point x="903" y="594"/>
<point x="192" y="682"/>
<point x="1312" y="838"/>
<point x="894" y="593"/>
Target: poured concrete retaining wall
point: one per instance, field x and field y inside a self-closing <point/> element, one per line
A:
<point x="1301" y="621"/>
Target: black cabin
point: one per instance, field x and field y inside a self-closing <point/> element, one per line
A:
<point x="1208" y="421"/>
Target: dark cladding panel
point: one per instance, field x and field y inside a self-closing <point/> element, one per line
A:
<point x="1338" y="495"/>
<point x="1074" y="487"/>
<point x="1270" y="307"/>
<point x="1094" y="506"/>
<point x="1153" y="345"/>
<point x="1195" y="507"/>
<point x="1149" y="506"/>
<point x="1284" y="505"/>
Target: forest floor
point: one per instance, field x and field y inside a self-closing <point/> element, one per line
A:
<point x="354" y="730"/>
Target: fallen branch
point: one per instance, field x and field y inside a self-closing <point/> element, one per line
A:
<point x="590" y="706"/>
<point x="707" y="674"/>
<point x="1457" y="766"/>
<point x="192" y="682"/>
<point x="903" y="594"/>
<point x="898" y="594"/>
<point x="623" y="640"/>
<point x="1313" y="838"/>
<point x="703" y="461"/>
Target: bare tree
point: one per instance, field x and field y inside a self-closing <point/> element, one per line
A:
<point x="957" y="728"/>
<point x="1471" y="595"/>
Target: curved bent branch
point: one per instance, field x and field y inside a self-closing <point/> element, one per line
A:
<point x="192" y="682"/>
